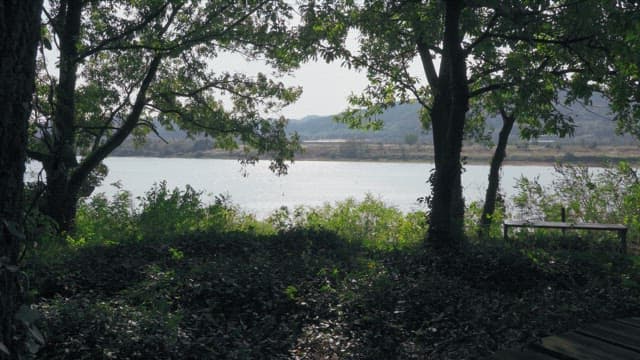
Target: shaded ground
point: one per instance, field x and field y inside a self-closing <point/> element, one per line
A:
<point x="311" y="295"/>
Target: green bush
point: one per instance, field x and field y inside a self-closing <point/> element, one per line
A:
<point x="100" y="220"/>
<point x="167" y="212"/>
<point x="177" y="212"/>
<point x="370" y="222"/>
<point x="162" y="213"/>
<point x="472" y="220"/>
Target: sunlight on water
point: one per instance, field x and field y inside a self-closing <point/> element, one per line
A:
<point x="310" y="183"/>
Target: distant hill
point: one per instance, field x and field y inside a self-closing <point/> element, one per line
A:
<point x="593" y="126"/>
<point x="398" y="122"/>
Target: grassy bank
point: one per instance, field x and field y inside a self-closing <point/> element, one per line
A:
<point x="180" y="280"/>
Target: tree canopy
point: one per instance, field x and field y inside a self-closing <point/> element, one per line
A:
<point x="510" y="57"/>
<point x="126" y="67"/>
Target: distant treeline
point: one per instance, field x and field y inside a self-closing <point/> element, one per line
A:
<point x="354" y="150"/>
<point x="594" y="127"/>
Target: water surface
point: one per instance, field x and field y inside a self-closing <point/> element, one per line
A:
<point x="310" y="183"/>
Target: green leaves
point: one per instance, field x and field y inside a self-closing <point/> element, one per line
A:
<point x="144" y="62"/>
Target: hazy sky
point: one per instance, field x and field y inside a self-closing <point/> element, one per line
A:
<point x="325" y="89"/>
<point x="325" y="86"/>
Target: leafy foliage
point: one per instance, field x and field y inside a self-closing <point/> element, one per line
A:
<point x="472" y="219"/>
<point x="126" y="67"/>
<point x="340" y="281"/>
<point x="307" y="293"/>
<point x="160" y="213"/>
<point x="368" y="222"/>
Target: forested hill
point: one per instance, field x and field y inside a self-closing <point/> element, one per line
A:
<point x="398" y="122"/>
<point x="593" y="126"/>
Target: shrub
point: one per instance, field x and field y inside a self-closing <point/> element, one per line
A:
<point x="100" y="220"/>
<point x="166" y="212"/>
<point x="162" y="213"/>
<point x="369" y="222"/>
<point x="472" y="220"/>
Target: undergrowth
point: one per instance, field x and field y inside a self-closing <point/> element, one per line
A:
<point x="179" y="279"/>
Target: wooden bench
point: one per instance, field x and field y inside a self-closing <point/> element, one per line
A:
<point x="621" y="229"/>
<point x="611" y="340"/>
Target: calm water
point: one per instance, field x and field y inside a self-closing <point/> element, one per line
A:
<point x="310" y="183"/>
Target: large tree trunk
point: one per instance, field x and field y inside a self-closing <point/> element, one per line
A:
<point x="19" y="34"/>
<point x="494" y="173"/>
<point x="60" y="196"/>
<point x="448" y="114"/>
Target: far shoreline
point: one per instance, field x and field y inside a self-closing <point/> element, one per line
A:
<point x="517" y="155"/>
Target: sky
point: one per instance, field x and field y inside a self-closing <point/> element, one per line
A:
<point x="325" y="88"/>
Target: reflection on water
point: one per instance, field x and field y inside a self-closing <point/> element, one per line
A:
<point x="310" y="183"/>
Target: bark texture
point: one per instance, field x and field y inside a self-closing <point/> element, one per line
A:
<point x="494" y="173"/>
<point x="19" y="34"/>
<point x="451" y="102"/>
<point x="61" y="196"/>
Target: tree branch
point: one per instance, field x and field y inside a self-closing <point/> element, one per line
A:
<point x="533" y="39"/>
<point x="103" y="44"/>
<point x="38" y="156"/>
<point x="153" y="128"/>
<point x="492" y="22"/>
<point x="427" y="64"/>
<point x="491" y="87"/>
<point x="95" y="157"/>
<point x="190" y="119"/>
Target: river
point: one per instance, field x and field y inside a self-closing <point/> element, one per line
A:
<point x="312" y="183"/>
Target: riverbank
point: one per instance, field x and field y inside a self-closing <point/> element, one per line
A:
<point x="534" y="154"/>
<point x="181" y="279"/>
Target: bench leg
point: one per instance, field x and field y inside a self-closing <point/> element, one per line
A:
<point x="505" y="231"/>
<point x="623" y="241"/>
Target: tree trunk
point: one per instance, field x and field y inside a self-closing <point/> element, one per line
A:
<point x="66" y="177"/>
<point x="448" y="114"/>
<point x="19" y="34"/>
<point x="494" y="173"/>
<point x="60" y="196"/>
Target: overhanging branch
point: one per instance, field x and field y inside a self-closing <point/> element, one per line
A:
<point x="99" y="154"/>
